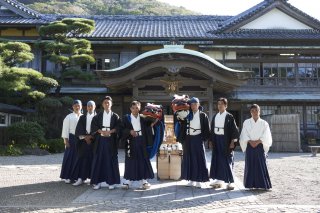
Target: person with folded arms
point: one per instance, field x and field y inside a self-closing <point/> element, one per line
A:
<point x="105" y="127"/>
<point x="255" y="141"/>
<point x="137" y="134"/>
<point x="224" y="138"/>
<point x="82" y="167"/>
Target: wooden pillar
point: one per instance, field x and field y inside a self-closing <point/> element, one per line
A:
<point x="135" y="91"/>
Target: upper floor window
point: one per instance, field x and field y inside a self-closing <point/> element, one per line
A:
<point x="308" y="70"/>
<point x="270" y="70"/>
<point x="286" y="70"/>
<point x="254" y="67"/>
<point x="106" y="61"/>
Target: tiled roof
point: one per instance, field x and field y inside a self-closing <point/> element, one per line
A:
<point x="270" y="34"/>
<point x="155" y="26"/>
<point x="8" y="20"/>
<point x="21" y="7"/>
<point x="197" y="28"/>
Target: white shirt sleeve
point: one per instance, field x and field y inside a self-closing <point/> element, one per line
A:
<point x="244" y="136"/>
<point x="65" y="127"/>
<point x="266" y="137"/>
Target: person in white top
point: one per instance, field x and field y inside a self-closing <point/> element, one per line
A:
<point x="105" y="128"/>
<point x="137" y="135"/>
<point x="195" y="131"/>
<point x="82" y="168"/>
<point x="255" y="141"/>
<point x="68" y="134"/>
<point x="224" y="138"/>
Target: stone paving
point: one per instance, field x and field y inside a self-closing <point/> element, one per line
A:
<point x="30" y="184"/>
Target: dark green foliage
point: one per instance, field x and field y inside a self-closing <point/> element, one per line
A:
<point x="56" y="29"/>
<point x="11" y="150"/>
<point x="82" y="59"/>
<point x="26" y="133"/>
<point x="70" y="53"/>
<point x="66" y="100"/>
<point x="50" y="114"/>
<point x="49" y="103"/>
<point x="53" y="145"/>
<point x="108" y="7"/>
<point x="76" y="74"/>
<point x="14" y="53"/>
<point x="44" y="84"/>
<point x="23" y="85"/>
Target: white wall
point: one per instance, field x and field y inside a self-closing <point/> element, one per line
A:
<point x="275" y="19"/>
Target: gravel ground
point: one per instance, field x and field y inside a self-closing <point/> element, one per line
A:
<point x="34" y="180"/>
<point x="31" y="184"/>
<point x="295" y="178"/>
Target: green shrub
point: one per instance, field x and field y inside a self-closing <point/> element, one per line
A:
<point x="66" y="100"/>
<point x="53" y="145"/>
<point x="50" y="103"/>
<point x="26" y="133"/>
<point x="78" y="74"/>
<point x="11" y="150"/>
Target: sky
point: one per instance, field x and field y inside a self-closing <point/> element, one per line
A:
<point x="234" y="7"/>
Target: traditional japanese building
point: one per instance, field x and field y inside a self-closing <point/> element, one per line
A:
<point x="268" y="54"/>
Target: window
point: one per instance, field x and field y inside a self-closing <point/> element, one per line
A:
<point x="246" y="67"/>
<point x="106" y="62"/>
<point x="270" y="70"/>
<point x="313" y="116"/>
<point x="15" y="119"/>
<point x="286" y="70"/>
<point x="3" y="119"/>
<point x="307" y="70"/>
<point x="268" y="110"/>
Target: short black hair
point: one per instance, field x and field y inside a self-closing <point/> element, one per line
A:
<point x="135" y="103"/>
<point x="106" y="98"/>
<point x="255" y="106"/>
<point x="224" y="100"/>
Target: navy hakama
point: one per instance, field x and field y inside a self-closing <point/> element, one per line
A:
<point x="138" y="166"/>
<point x="221" y="164"/>
<point x="255" y="171"/>
<point x="105" y="166"/>
<point x="194" y="164"/>
<point x="69" y="158"/>
<point x="83" y="164"/>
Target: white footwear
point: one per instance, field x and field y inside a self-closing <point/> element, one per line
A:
<point x="78" y="183"/>
<point x="216" y="184"/>
<point x="230" y="186"/>
<point x="125" y="184"/>
<point x="146" y="185"/>
<point x="189" y="184"/>
<point x="96" y="187"/>
<point x="198" y="184"/>
<point x="111" y="187"/>
<point x="67" y="181"/>
<point x="104" y="184"/>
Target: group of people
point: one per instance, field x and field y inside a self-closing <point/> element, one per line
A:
<point x="91" y="142"/>
<point x="223" y="135"/>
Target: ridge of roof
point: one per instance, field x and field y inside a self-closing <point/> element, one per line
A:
<point x="22" y="8"/>
<point x="141" y="17"/>
<point x="256" y="9"/>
